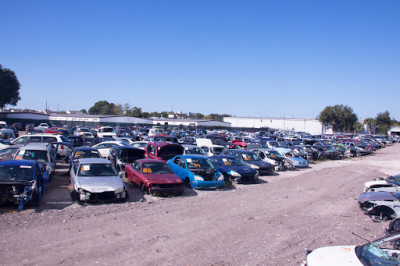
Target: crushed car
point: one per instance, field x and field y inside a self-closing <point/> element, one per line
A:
<point x="234" y="170"/>
<point x="380" y="205"/>
<point x="22" y="182"/>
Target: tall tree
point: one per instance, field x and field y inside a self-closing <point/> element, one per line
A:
<point x="383" y="122"/>
<point x="9" y="87"/>
<point x="340" y="117"/>
<point x="370" y="122"/>
<point x="105" y="108"/>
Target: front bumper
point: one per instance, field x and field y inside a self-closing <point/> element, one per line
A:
<point x="208" y="184"/>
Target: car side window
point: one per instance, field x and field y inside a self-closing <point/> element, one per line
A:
<point x="21" y="140"/>
<point x="182" y="163"/>
<point x="216" y="161"/>
<point x="176" y="161"/>
<point x="261" y="154"/>
<point x="35" y="139"/>
<point x="152" y="149"/>
<point x="205" y="149"/>
<point x="49" y="139"/>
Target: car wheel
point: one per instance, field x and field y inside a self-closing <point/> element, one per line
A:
<point x="144" y="188"/>
<point x="74" y="195"/>
<point x="187" y="182"/>
<point x="36" y="195"/>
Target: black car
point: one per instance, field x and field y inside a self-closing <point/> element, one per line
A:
<point x="251" y="159"/>
<point x="234" y="169"/>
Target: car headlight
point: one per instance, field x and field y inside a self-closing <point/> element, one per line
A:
<point x="234" y="173"/>
<point x="198" y="178"/>
<point x="120" y="190"/>
<point x="221" y="176"/>
<point x="254" y="166"/>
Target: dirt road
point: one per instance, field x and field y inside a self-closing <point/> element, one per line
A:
<point x="270" y="223"/>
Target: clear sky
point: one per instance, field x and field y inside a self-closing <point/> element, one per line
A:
<point x="256" y="58"/>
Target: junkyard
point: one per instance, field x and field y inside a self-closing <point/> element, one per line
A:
<point x="273" y="222"/>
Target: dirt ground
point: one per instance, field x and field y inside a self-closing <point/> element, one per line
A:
<point x="270" y="223"/>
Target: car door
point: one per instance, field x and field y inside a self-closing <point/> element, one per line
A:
<point x="73" y="175"/>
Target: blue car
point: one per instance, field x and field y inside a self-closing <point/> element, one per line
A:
<point x="234" y="169"/>
<point x="196" y="171"/>
<point x="22" y="182"/>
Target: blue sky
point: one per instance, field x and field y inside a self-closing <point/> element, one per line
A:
<point x="255" y="58"/>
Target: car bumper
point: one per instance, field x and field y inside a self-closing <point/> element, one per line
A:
<point x="208" y="184"/>
<point x="166" y="191"/>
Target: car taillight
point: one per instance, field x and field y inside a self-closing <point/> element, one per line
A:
<point x="62" y="147"/>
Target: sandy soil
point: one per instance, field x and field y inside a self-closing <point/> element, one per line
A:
<point x="270" y="223"/>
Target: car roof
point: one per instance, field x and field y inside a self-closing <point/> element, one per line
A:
<point x="150" y="161"/>
<point x="94" y="160"/>
<point x="18" y="162"/>
<point x="194" y="156"/>
<point x="223" y="156"/>
<point x="85" y="149"/>
<point x="35" y="146"/>
<point x="240" y="151"/>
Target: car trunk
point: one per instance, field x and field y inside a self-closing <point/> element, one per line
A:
<point x="170" y="151"/>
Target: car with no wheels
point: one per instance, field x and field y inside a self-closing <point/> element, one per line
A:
<point x="22" y="182"/>
<point x="196" y="171"/>
<point x="154" y="177"/>
<point x="95" y="179"/>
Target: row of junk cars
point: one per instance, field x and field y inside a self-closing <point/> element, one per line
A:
<point x="158" y="161"/>
<point x="162" y="163"/>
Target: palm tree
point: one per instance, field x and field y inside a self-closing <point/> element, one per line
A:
<point x="370" y="122"/>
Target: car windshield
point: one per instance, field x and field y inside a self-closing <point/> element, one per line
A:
<point x="156" y="168"/>
<point x="139" y="145"/>
<point x="108" y="130"/>
<point x="273" y="144"/>
<point x="232" y="162"/>
<point x="274" y="154"/>
<point x="40" y="156"/>
<point x="217" y="150"/>
<point x="86" y="154"/>
<point x="198" y="163"/>
<point x="97" y="169"/>
<point x="194" y="150"/>
<point x="16" y="172"/>
<point x="378" y="253"/>
<point x="250" y="157"/>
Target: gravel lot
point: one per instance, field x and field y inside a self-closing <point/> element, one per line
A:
<point x="270" y="223"/>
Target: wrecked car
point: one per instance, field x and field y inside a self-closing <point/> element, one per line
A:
<point x="383" y="251"/>
<point x="95" y="179"/>
<point x="42" y="152"/>
<point x="380" y="205"/>
<point x="252" y="160"/>
<point x="390" y="184"/>
<point x="162" y="150"/>
<point x="120" y="156"/>
<point x="272" y="157"/>
<point x="234" y="170"/>
<point x="196" y="171"/>
<point x="154" y="177"/>
<point x="22" y="182"/>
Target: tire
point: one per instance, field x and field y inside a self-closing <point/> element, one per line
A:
<point x="144" y="188"/>
<point x="187" y="182"/>
<point x="74" y="195"/>
<point x="36" y="195"/>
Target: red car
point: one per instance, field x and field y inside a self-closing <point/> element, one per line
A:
<point x="52" y="130"/>
<point x="162" y="150"/>
<point x="154" y="177"/>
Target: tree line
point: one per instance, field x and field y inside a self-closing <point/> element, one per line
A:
<point x="106" y="108"/>
<point x="343" y="119"/>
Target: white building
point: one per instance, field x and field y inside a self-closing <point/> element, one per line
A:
<point x="308" y="125"/>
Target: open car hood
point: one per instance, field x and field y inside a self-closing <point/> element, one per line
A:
<point x="376" y="196"/>
<point x="130" y="155"/>
<point x="170" y="151"/>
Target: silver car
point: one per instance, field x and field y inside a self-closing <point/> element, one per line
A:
<point x="95" y="179"/>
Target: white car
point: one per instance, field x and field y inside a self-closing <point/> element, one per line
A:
<point x="105" y="146"/>
<point x="95" y="179"/>
<point x="383" y="251"/>
<point x="390" y="184"/>
<point x="106" y="132"/>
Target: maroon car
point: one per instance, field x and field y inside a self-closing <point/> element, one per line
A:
<point x="162" y="150"/>
<point x="154" y="177"/>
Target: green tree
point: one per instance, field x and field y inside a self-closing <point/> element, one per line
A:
<point x="84" y="111"/>
<point x="340" y="117"/>
<point x="358" y="127"/>
<point x="105" y="108"/>
<point x="9" y="87"/>
<point x="383" y="122"/>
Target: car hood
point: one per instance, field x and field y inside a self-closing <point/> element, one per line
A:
<point x="98" y="184"/>
<point x="163" y="178"/>
<point x="297" y="159"/>
<point x="242" y="169"/>
<point x="259" y="163"/>
<point x="337" y="255"/>
<point x="169" y="151"/>
<point x="374" y="196"/>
